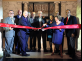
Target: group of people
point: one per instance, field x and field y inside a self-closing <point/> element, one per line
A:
<point x="19" y="36"/>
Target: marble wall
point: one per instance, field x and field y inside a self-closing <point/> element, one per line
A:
<point x="11" y="5"/>
<point x="68" y="5"/>
<point x="41" y="7"/>
<point x="16" y="5"/>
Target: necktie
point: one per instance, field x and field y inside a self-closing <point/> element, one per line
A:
<point x="67" y="20"/>
<point x="12" y="20"/>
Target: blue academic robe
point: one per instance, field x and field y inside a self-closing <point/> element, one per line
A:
<point x="57" y="34"/>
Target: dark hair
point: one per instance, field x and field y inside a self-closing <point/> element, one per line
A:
<point x="52" y="15"/>
<point x="59" y="17"/>
<point x="69" y="10"/>
<point x="11" y="10"/>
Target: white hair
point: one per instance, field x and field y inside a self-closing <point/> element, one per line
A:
<point x="25" y="12"/>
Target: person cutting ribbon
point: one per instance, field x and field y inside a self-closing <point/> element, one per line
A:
<point x="57" y="34"/>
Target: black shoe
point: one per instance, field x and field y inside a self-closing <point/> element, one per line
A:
<point x="27" y="50"/>
<point x="56" y="52"/>
<point x="14" y="52"/>
<point x="38" y="50"/>
<point x="8" y="55"/>
<point x="45" y="50"/>
<point x="50" y="50"/>
<point x="34" y="49"/>
<point x="26" y="55"/>
<point x="18" y="52"/>
<point x="67" y="53"/>
<point x="31" y="50"/>
<point x="72" y="56"/>
<point x="59" y="54"/>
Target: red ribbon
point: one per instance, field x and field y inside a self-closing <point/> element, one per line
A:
<point x="73" y="26"/>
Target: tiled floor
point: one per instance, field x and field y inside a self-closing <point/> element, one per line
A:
<point x="41" y="56"/>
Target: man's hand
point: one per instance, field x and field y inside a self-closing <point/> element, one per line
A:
<point x="15" y="24"/>
<point x="10" y="28"/>
<point x="72" y="35"/>
<point x="43" y="29"/>
<point x="44" y="24"/>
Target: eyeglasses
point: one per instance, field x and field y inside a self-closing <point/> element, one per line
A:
<point x="11" y="13"/>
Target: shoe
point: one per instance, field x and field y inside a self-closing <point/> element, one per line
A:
<point x="38" y="50"/>
<point x="26" y="55"/>
<point x="27" y="50"/>
<point x="67" y="53"/>
<point x="45" y="50"/>
<point x="34" y="49"/>
<point x="56" y="51"/>
<point x="61" y="56"/>
<point x="50" y="50"/>
<point x="18" y="52"/>
<point x="8" y="55"/>
<point x="31" y="51"/>
<point x="52" y="53"/>
<point x="72" y="56"/>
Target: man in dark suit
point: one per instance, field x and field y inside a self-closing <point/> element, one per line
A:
<point x="17" y="46"/>
<point x="27" y="35"/>
<point x="39" y="23"/>
<point x="70" y="33"/>
<point x="9" y="33"/>
<point x="32" y="32"/>
<point x="23" y="33"/>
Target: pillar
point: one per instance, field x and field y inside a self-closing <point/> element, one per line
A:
<point x="1" y="17"/>
<point x="56" y="5"/>
<point x="26" y="6"/>
<point x="63" y="9"/>
<point x="78" y="11"/>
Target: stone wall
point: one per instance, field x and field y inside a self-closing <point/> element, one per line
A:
<point x="16" y="5"/>
<point x="11" y="5"/>
<point x="68" y="5"/>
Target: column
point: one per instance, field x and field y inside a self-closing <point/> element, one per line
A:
<point x="56" y="5"/>
<point x="1" y="17"/>
<point x="26" y="6"/>
<point x="79" y="16"/>
<point x="63" y="9"/>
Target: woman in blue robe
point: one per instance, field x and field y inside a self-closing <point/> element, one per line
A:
<point x="57" y="34"/>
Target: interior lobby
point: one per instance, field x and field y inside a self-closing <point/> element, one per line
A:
<point x="47" y="7"/>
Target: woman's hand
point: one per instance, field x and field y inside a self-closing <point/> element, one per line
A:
<point x="45" y="24"/>
<point x="60" y="29"/>
<point x="10" y="28"/>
